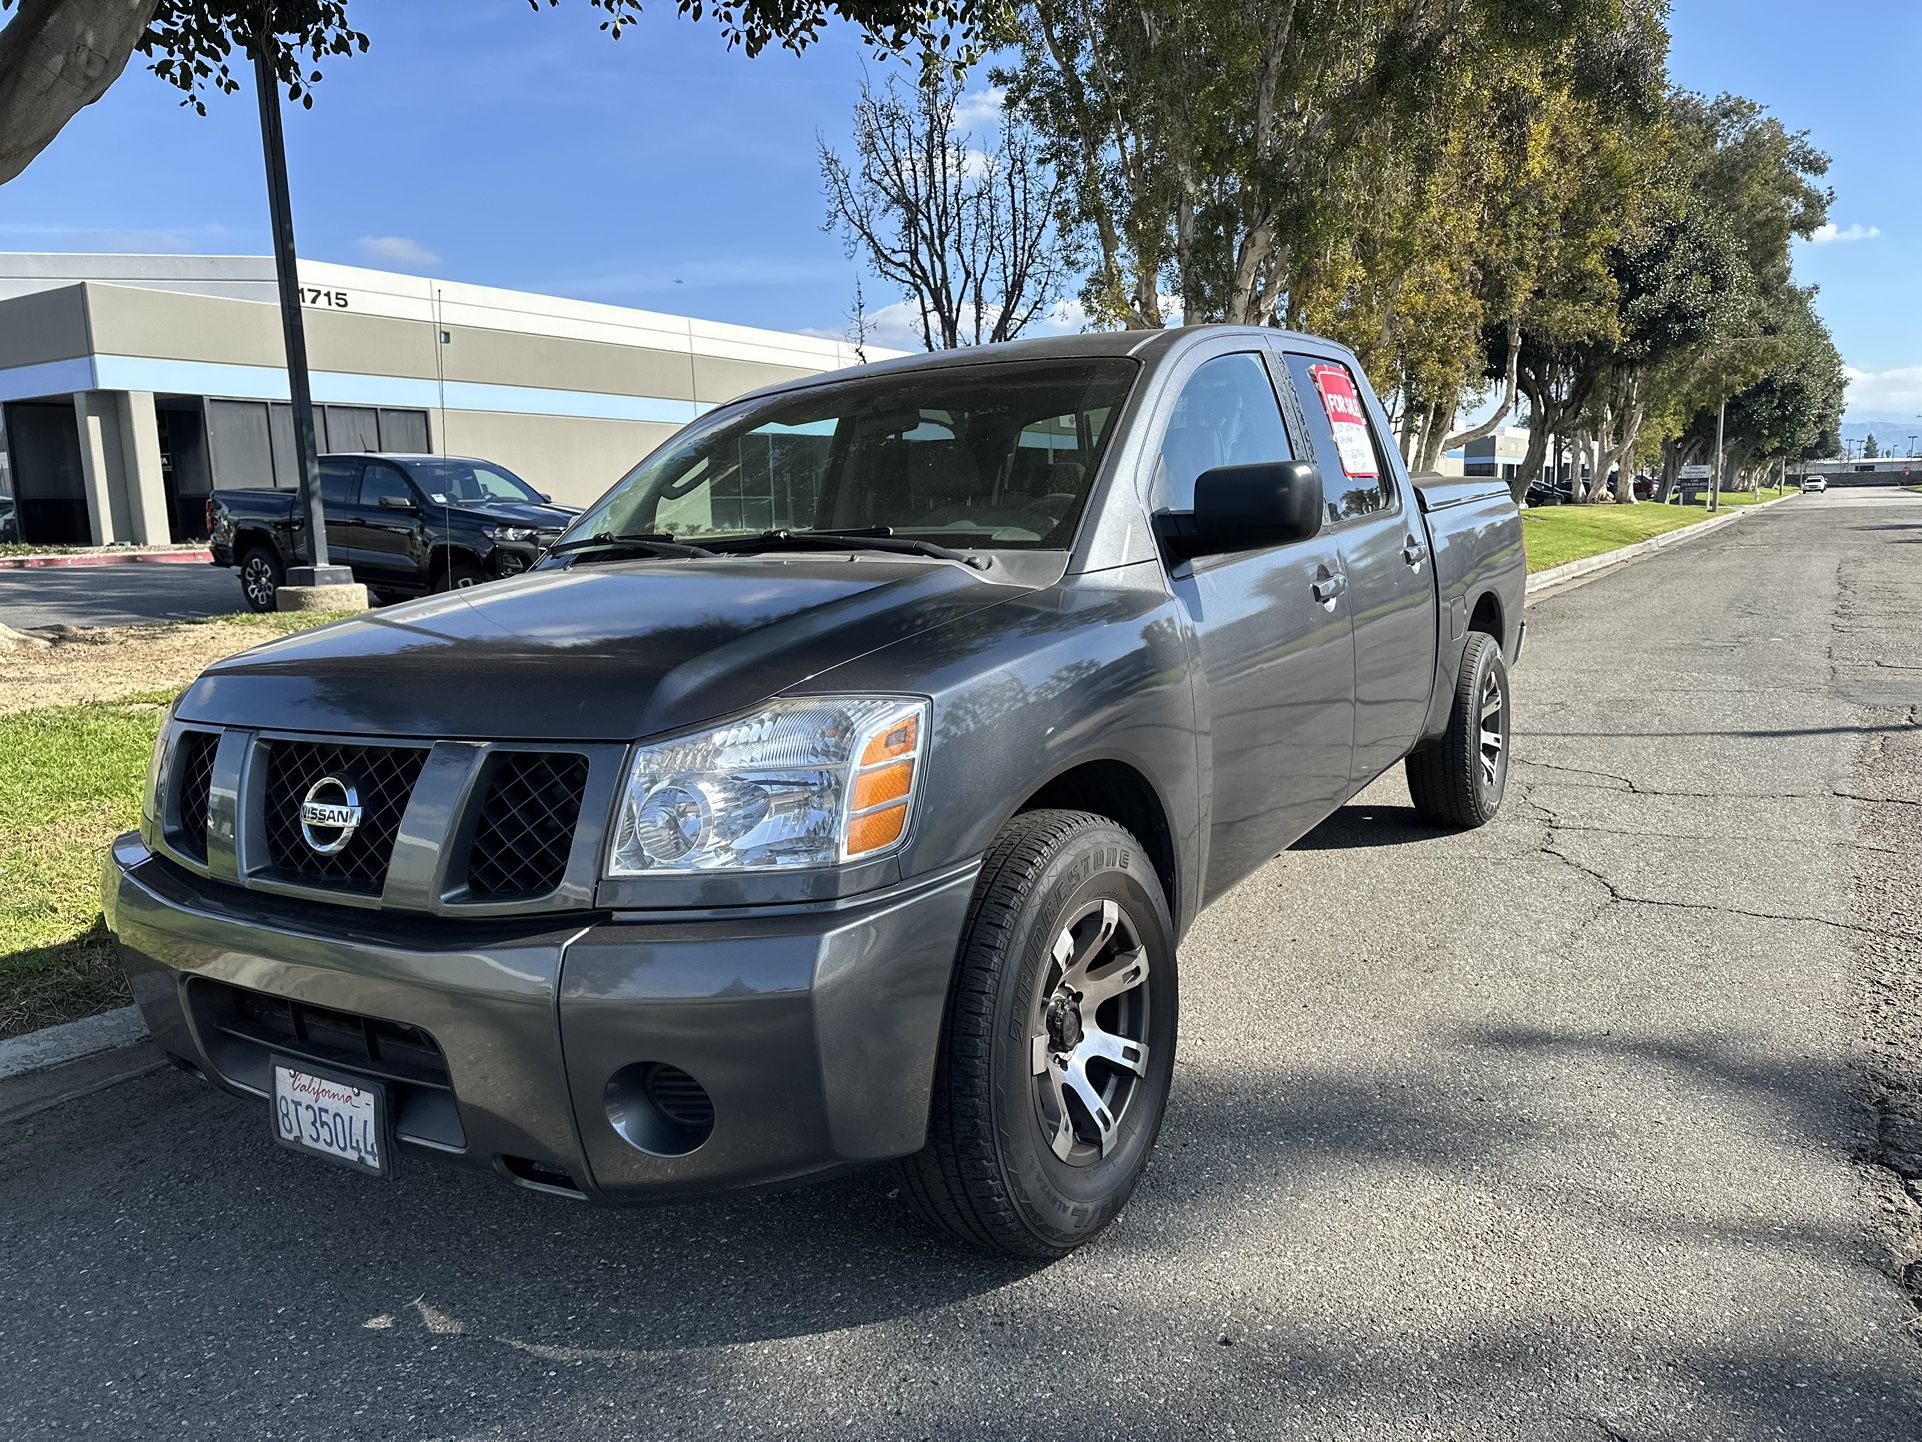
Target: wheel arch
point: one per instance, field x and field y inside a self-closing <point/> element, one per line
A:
<point x="1117" y="789"/>
<point x="1486" y="617"/>
<point x="445" y="554"/>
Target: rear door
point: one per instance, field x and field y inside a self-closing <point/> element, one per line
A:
<point x="339" y="487"/>
<point x="1383" y="544"/>
<point x="1278" y="664"/>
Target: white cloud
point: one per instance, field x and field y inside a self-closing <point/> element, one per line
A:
<point x="980" y="108"/>
<point x="1828" y="234"/>
<point x="1896" y="392"/>
<point x="397" y="250"/>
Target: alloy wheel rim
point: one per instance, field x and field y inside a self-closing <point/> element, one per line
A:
<point x="1493" y="747"/>
<point x="259" y="582"/>
<point x="1087" y="1038"/>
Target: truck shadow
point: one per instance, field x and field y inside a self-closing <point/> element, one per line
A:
<point x="1361" y="824"/>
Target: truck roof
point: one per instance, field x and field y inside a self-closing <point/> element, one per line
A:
<point x="1144" y="345"/>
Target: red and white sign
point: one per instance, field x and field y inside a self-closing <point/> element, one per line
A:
<point x="1350" y="423"/>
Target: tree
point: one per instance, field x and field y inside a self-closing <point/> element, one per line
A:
<point x="1869" y="449"/>
<point x="967" y="233"/>
<point x="59" y="56"/>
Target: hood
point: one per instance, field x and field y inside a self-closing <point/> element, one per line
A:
<point x="518" y="513"/>
<point x="602" y="652"/>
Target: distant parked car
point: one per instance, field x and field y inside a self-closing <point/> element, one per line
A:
<point x="9" y="520"/>
<point x="1542" y="493"/>
<point x="1814" y="483"/>
<point x="405" y="525"/>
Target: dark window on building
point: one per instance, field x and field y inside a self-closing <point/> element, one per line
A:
<point x="350" y="428"/>
<point x="404" y="431"/>
<point x="240" y="440"/>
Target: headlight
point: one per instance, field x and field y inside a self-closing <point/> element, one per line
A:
<point x="808" y="781"/>
<point x="509" y="533"/>
<point x="159" y="751"/>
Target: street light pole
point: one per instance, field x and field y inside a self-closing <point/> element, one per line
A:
<point x="1715" y="480"/>
<point x="306" y="448"/>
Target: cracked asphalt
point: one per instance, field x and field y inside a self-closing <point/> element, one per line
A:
<point x="1588" y="1125"/>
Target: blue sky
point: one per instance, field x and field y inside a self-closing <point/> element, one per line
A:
<point x="486" y="142"/>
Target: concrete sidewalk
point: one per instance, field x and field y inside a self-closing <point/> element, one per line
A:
<point x="108" y="556"/>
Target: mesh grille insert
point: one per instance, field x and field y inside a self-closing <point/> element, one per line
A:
<point x="525" y="827"/>
<point x="194" y="765"/>
<point x="382" y="776"/>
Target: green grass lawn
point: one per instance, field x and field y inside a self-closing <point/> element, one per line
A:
<point x="1556" y="535"/>
<point x="70" y="780"/>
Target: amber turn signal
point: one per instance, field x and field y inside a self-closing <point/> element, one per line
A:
<point x="877" y="829"/>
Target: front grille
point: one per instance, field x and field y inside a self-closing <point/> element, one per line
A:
<point x="382" y="776"/>
<point x="245" y="1030"/>
<point x="531" y="804"/>
<point x="194" y="765"/>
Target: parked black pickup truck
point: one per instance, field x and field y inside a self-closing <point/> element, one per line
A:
<point x="839" y="789"/>
<point x="406" y="525"/>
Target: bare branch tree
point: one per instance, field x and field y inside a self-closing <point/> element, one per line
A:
<point x="968" y="233"/>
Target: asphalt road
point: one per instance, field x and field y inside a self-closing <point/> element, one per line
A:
<point x="1555" y="1130"/>
<point x="117" y="595"/>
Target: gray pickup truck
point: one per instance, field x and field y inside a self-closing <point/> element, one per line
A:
<point x="837" y="790"/>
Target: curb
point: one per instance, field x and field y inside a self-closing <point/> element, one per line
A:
<point x="54" y="1046"/>
<point x="65" y="560"/>
<point x="1589" y="565"/>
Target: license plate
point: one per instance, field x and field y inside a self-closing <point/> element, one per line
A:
<point x="331" y="1114"/>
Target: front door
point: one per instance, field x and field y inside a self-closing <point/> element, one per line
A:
<point x="1277" y="662"/>
<point x="385" y="535"/>
<point x="1384" y="554"/>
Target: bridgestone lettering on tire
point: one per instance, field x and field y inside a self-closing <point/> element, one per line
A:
<point x="1058" y="1044"/>
<point x="1459" y="780"/>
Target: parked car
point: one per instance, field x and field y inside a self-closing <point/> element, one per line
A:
<point x="405" y="525"/>
<point x="837" y="790"/>
<point x="1814" y="483"/>
<point x="1545" y="493"/>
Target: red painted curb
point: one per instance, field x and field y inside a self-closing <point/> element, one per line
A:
<point x="105" y="558"/>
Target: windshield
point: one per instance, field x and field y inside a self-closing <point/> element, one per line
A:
<point x="970" y="457"/>
<point x="466" y="483"/>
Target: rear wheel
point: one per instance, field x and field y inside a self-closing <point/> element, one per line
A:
<point x="1459" y="780"/>
<point x="261" y="575"/>
<point x="1059" y="1041"/>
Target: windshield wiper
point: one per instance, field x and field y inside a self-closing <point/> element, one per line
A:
<point x="853" y="538"/>
<point x="658" y="543"/>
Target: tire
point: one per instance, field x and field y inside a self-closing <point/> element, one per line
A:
<point x="261" y="574"/>
<point x="1011" y="1164"/>
<point x="1459" y="780"/>
<point x="458" y="577"/>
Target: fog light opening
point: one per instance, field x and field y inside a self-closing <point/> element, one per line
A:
<point x="659" y="1109"/>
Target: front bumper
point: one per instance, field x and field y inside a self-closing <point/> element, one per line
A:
<point x="514" y="1043"/>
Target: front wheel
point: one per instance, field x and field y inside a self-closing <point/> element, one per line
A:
<point x="459" y="576"/>
<point x="1460" y="779"/>
<point x="1059" y="1042"/>
<point x="261" y="575"/>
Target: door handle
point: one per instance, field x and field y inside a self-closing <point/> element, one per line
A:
<point x="1330" y="587"/>
<point x="1414" y="552"/>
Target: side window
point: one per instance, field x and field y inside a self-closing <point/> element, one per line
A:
<point x="381" y="481"/>
<point x="1226" y="415"/>
<point x="339" y="479"/>
<point x="1354" y="475"/>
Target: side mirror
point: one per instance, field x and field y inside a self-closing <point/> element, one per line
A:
<point x="1239" y="508"/>
<point x="544" y="495"/>
<point x="397" y="503"/>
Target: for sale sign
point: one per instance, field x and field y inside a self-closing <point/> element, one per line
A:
<point x="1342" y="403"/>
